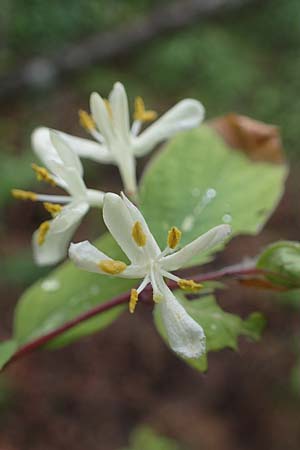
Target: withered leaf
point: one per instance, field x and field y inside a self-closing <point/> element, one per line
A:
<point x="258" y="140"/>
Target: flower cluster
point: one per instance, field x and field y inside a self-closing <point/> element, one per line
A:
<point x="116" y="142"/>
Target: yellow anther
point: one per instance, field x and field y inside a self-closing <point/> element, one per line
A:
<point x="174" y="236"/>
<point x="134" y="296"/>
<point x="52" y="208"/>
<point x="111" y="266"/>
<point x="42" y="174"/>
<point x="24" y="195"/>
<point x="43" y="230"/>
<point x="108" y="107"/>
<point x="189" y="285"/>
<point x="140" y="113"/>
<point x="138" y="234"/>
<point x="86" y="120"/>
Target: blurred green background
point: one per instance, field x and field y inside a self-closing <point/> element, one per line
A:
<point x="245" y="60"/>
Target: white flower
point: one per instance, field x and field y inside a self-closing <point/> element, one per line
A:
<point x="129" y="228"/>
<point x="50" y="242"/>
<point x="117" y="143"/>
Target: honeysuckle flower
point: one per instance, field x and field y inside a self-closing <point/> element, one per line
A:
<point x="50" y="242"/>
<point x="129" y="228"/>
<point x="117" y="142"/>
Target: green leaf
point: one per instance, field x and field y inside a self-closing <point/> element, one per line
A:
<point x="7" y="349"/>
<point x="144" y="438"/>
<point x="196" y="182"/>
<point x="221" y="329"/>
<point x="282" y="258"/>
<point x="65" y="294"/>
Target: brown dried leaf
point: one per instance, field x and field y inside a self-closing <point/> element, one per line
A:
<point x="260" y="141"/>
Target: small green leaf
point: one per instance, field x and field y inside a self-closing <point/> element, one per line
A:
<point x="282" y="258"/>
<point x="221" y="329"/>
<point x="196" y="182"/>
<point x="7" y="349"/>
<point x="65" y="294"/>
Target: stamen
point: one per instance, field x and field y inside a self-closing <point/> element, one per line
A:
<point x="111" y="266"/>
<point x="108" y="107"/>
<point x="52" y="208"/>
<point x="24" y="195"/>
<point x="86" y="120"/>
<point x="140" y="113"/>
<point x="174" y="236"/>
<point x="138" y="234"/>
<point x="189" y="285"/>
<point x="134" y="296"/>
<point x="42" y="174"/>
<point x="43" y="230"/>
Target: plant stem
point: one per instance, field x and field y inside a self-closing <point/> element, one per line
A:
<point x="233" y="271"/>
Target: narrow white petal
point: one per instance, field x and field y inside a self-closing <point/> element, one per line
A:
<point x="151" y="246"/>
<point x="57" y="240"/>
<point x="186" y="337"/>
<point x="43" y="147"/>
<point x="120" y="215"/>
<point x="208" y="240"/>
<point x="68" y="157"/>
<point x="101" y="117"/>
<point x="84" y="148"/>
<point x="119" y="222"/>
<point x="119" y="105"/>
<point x="87" y="257"/>
<point x="184" y="115"/>
<point x="74" y="183"/>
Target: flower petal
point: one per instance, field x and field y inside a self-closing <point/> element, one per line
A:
<point x="119" y="105"/>
<point x="61" y="230"/>
<point x="101" y="117"/>
<point x="74" y="183"/>
<point x="84" y="148"/>
<point x="186" y="337"/>
<point x="65" y="153"/>
<point x="184" y="115"/>
<point x="208" y="240"/>
<point x="120" y="215"/>
<point x="87" y="257"/>
<point x="119" y="222"/>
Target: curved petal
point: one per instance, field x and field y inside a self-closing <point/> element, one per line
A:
<point x="87" y="257"/>
<point x="184" y="115"/>
<point x="68" y="157"/>
<point x="208" y="240"/>
<point x="74" y="183"/>
<point x="120" y="215"/>
<point x="62" y="228"/>
<point x="119" y="105"/>
<point x="43" y="147"/>
<point x="84" y="148"/>
<point x="119" y="222"/>
<point x="101" y="117"/>
<point x="186" y="337"/>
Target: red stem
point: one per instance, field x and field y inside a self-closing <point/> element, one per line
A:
<point x="235" y="271"/>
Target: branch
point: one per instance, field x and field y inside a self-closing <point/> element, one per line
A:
<point x="42" y="71"/>
<point x="233" y="271"/>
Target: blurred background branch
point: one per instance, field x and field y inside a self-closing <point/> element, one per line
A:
<point x="41" y="72"/>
